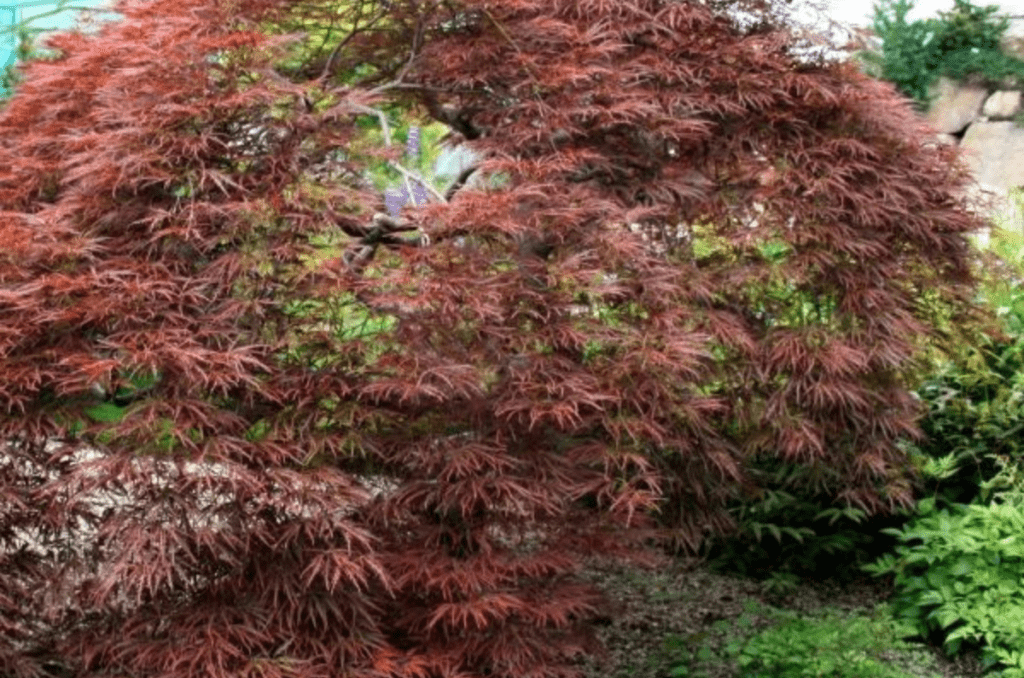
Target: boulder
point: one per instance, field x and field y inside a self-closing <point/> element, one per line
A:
<point x="1002" y="104"/>
<point x="452" y="161"/>
<point x="995" y="153"/>
<point x="954" y="105"/>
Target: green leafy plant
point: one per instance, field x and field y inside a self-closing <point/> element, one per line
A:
<point x="976" y="413"/>
<point x="959" y="565"/>
<point x="959" y="570"/>
<point x="961" y="42"/>
<point x="1002" y="289"/>
<point x="788" y="530"/>
<point x="974" y="398"/>
<point x="831" y="644"/>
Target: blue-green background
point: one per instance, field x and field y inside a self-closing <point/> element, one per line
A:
<point x="41" y="16"/>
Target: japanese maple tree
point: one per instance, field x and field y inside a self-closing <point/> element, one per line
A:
<point x="258" y="426"/>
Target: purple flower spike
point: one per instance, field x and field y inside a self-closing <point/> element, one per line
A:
<point x="412" y="146"/>
<point x="419" y="193"/>
<point x="394" y="199"/>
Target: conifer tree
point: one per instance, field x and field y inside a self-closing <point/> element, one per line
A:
<point x="258" y="425"/>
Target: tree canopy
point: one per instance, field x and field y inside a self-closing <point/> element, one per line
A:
<point x="260" y="426"/>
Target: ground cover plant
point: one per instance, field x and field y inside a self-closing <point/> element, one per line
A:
<point x="699" y="249"/>
<point x="958" y="578"/>
<point x="667" y="617"/>
<point x="777" y="643"/>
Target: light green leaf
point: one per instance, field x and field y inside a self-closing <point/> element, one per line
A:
<point x="107" y="413"/>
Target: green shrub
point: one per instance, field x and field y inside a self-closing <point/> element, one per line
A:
<point x="959" y="569"/>
<point x="960" y="566"/>
<point x="788" y="530"/>
<point x="959" y="573"/>
<point x="976" y="414"/>
<point x="959" y="43"/>
<point x="829" y="645"/>
<point x="975" y="399"/>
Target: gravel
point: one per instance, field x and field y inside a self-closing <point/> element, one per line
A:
<point x="684" y="599"/>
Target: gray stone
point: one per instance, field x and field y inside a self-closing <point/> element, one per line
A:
<point x="995" y="153"/>
<point x="1002" y="104"/>
<point x="452" y="161"/>
<point x="954" y="105"/>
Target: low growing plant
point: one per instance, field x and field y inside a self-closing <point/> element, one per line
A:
<point x="830" y="645"/>
<point x="959" y="570"/>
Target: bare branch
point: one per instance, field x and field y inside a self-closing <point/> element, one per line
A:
<point x="329" y="66"/>
<point x="460" y="181"/>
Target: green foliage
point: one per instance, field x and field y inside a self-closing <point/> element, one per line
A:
<point x="788" y="530"/>
<point x="777" y="299"/>
<point x="829" y="645"/>
<point x="975" y="400"/>
<point x="958" y="574"/>
<point x="9" y="78"/>
<point x="959" y="43"/>
<point x="107" y="413"/>
<point x="959" y="566"/>
<point x="976" y="412"/>
<point x="342" y="318"/>
<point x="1002" y="290"/>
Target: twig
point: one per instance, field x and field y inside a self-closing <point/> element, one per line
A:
<point x="409" y="174"/>
<point x="459" y="182"/>
<point x="417" y="42"/>
<point x="329" y="66"/>
<point x="367" y="110"/>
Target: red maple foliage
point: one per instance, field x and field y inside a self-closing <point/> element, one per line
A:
<point x="323" y="441"/>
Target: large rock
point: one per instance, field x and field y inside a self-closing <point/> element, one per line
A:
<point x="1002" y="104"/>
<point x="452" y="161"/>
<point x="955" y="105"/>
<point x="995" y="153"/>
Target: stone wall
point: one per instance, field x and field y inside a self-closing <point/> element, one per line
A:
<point x="983" y="121"/>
